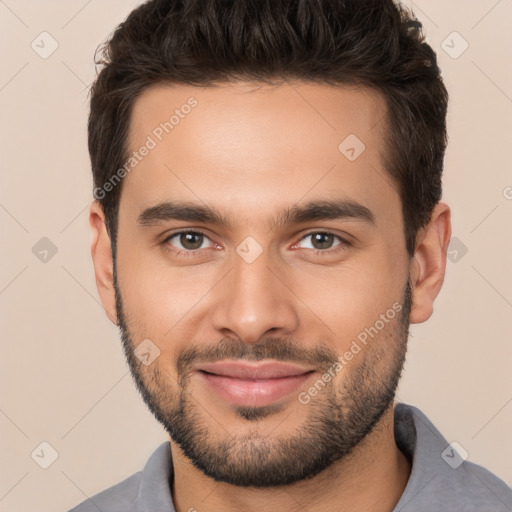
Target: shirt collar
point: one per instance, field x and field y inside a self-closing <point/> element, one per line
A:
<point x="155" y="487"/>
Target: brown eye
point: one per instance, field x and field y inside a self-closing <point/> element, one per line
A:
<point x="191" y="241"/>
<point x="186" y="241"/>
<point x="323" y="241"/>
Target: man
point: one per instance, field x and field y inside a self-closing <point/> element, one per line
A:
<point x="267" y="225"/>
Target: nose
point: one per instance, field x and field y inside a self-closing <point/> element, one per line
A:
<point x="253" y="300"/>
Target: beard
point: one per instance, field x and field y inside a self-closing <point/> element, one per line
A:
<point x="339" y="417"/>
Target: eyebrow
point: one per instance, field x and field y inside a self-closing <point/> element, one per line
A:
<point x="337" y="209"/>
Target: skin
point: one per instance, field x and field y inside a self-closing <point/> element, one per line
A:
<point x="251" y="150"/>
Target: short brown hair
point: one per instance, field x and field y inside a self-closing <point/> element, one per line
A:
<point x="372" y="43"/>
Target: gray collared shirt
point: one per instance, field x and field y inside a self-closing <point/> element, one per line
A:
<point x="440" y="479"/>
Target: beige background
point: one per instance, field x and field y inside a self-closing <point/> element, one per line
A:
<point x="63" y="376"/>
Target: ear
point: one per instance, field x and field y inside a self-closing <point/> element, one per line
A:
<point x="101" y="251"/>
<point x="429" y="263"/>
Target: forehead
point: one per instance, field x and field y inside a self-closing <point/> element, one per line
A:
<point x="241" y="146"/>
<point x="295" y="110"/>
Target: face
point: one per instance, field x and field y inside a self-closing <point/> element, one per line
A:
<point x="261" y="276"/>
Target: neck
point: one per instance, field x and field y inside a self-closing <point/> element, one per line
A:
<point x="373" y="477"/>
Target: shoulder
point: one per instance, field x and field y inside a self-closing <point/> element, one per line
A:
<point x="148" y="489"/>
<point x="469" y="487"/>
<point x="118" y="498"/>
<point x="442" y="478"/>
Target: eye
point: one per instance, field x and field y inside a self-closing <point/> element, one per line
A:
<point x="190" y="241"/>
<point x="323" y="241"/>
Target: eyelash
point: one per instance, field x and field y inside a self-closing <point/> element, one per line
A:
<point x="344" y="244"/>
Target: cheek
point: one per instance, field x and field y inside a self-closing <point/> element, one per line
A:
<point x="159" y="299"/>
<point x="351" y="297"/>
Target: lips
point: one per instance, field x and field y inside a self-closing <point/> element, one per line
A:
<point x="255" y="371"/>
<point x="253" y="384"/>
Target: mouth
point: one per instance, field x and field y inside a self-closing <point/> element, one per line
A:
<point x="253" y="384"/>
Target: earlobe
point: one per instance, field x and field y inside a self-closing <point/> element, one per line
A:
<point x="429" y="263"/>
<point x="101" y="252"/>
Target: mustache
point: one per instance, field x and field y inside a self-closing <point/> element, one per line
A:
<point x="272" y="348"/>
